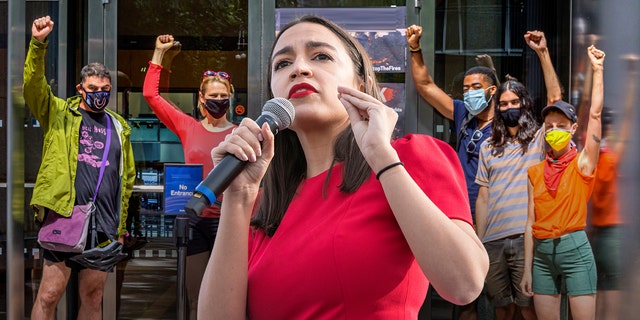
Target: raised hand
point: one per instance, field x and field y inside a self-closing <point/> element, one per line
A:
<point x="41" y="28"/>
<point x="164" y="42"/>
<point x="414" y="33"/>
<point x="596" y="56"/>
<point x="536" y="40"/>
<point x="372" y="123"/>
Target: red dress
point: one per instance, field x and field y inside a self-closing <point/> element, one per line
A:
<point x="344" y="256"/>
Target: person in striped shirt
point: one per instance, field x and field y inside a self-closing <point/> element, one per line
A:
<point x="516" y="143"/>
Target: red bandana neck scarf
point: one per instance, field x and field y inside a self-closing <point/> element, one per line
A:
<point x="554" y="168"/>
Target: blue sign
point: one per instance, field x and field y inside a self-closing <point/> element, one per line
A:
<point x="180" y="181"/>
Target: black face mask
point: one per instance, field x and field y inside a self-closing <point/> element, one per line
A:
<point x="217" y="108"/>
<point x="98" y="100"/>
<point x="511" y="117"/>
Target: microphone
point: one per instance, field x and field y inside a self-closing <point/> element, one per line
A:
<point x="278" y="113"/>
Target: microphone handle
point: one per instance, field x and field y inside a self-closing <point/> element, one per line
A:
<point x="209" y="189"/>
<point x="216" y="183"/>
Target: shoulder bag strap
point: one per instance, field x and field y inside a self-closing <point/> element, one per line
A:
<point x="104" y="156"/>
<point x="94" y="233"/>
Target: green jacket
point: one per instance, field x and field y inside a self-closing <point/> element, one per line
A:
<point x="60" y="120"/>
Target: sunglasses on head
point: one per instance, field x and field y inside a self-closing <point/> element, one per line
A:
<point x="475" y="137"/>
<point x="221" y="74"/>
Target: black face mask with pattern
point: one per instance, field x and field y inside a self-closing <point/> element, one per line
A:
<point x="217" y="108"/>
<point x="98" y="100"/>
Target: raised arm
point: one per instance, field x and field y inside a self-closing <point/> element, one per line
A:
<point x="37" y="93"/>
<point x="538" y="43"/>
<point x="589" y="155"/>
<point x="166" y="49"/>
<point x="167" y="113"/>
<point x="427" y="89"/>
<point x="584" y="100"/>
<point x="163" y="44"/>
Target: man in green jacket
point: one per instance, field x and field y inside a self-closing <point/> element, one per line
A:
<point x="74" y="143"/>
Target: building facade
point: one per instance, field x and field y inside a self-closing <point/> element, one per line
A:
<point x="236" y="36"/>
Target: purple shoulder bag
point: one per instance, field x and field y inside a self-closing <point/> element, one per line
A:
<point x="69" y="234"/>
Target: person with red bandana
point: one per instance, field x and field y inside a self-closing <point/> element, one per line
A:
<point x="556" y="245"/>
<point x="198" y="137"/>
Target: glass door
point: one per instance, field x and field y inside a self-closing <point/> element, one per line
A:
<point x="213" y="36"/>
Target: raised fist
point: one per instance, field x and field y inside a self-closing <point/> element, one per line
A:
<point x="41" y="28"/>
<point x="536" y="40"/>
<point x="596" y="56"/>
<point x="414" y="33"/>
<point x="164" y="42"/>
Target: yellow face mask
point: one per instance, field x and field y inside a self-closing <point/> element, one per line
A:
<point x="558" y="138"/>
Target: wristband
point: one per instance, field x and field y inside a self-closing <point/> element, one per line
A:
<point x="399" y="163"/>
<point x="419" y="49"/>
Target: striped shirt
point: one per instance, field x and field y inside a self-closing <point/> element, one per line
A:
<point x="505" y="176"/>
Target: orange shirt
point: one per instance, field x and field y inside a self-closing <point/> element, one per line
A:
<point x="567" y="210"/>
<point x="604" y="200"/>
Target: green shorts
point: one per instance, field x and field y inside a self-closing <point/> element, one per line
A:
<point x="606" y="243"/>
<point x="567" y="259"/>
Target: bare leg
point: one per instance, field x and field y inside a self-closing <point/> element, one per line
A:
<point x="196" y="264"/>
<point x="90" y="290"/>
<point x="583" y="307"/>
<point x="55" y="276"/>
<point x="547" y="306"/>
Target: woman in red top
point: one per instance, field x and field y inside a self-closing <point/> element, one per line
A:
<point x="349" y="224"/>
<point x="197" y="138"/>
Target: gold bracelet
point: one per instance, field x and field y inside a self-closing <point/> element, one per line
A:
<point x="419" y="49"/>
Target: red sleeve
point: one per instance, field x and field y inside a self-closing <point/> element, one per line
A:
<point x="435" y="167"/>
<point x="172" y="117"/>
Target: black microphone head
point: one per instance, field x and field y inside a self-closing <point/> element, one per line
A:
<point x="282" y="110"/>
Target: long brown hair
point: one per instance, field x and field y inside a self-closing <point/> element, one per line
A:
<point x="528" y="124"/>
<point x="289" y="165"/>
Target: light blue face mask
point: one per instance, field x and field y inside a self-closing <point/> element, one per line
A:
<point x="475" y="101"/>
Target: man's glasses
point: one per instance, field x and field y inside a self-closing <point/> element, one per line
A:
<point x="221" y="74"/>
<point x="475" y="137"/>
